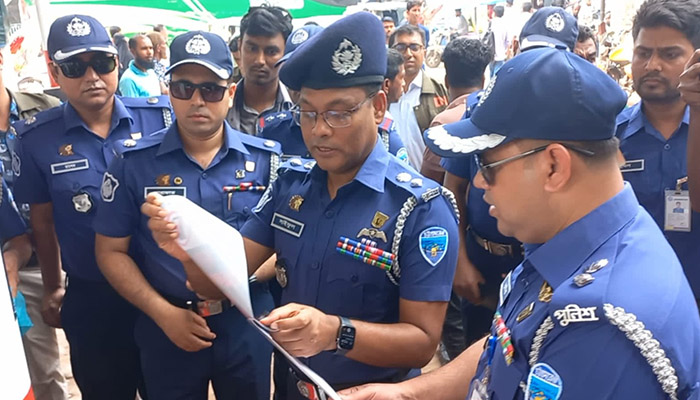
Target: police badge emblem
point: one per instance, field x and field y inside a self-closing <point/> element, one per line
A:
<point x="109" y="187"/>
<point x="82" y="202"/>
<point x="347" y="58"/>
<point x="555" y="23"/>
<point x="300" y="36"/>
<point x="198" y="45"/>
<point x="433" y="244"/>
<point x="78" y="27"/>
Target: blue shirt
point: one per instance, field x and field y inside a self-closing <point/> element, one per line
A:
<point x="592" y="356"/>
<point x="11" y="223"/>
<point x="58" y="160"/>
<point x="480" y="221"/>
<point x="163" y="166"/>
<point x="282" y="128"/>
<point x="305" y="233"/>
<point x="137" y="83"/>
<point x="653" y="164"/>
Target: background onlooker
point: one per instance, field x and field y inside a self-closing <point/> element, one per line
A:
<point x="140" y="80"/>
<point x="160" y="62"/>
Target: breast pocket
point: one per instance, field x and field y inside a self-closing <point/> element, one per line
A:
<point x="363" y="290"/>
<point x="78" y="192"/>
<point x="236" y="205"/>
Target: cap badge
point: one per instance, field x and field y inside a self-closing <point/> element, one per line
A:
<point x="300" y="36"/>
<point x="78" y="27"/>
<point x="346" y="58"/>
<point x="198" y="45"/>
<point x="555" y="23"/>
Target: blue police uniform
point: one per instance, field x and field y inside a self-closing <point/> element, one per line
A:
<point x="57" y="159"/>
<point x="162" y="165"/>
<point x="654" y="164"/>
<point x="594" y="312"/>
<point x="305" y="236"/>
<point x="282" y="128"/>
<point x="586" y="337"/>
<point x="388" y="209"/>
<point x="12" y="223"/>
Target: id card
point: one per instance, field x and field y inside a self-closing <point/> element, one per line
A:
<point x="677" y="211"/>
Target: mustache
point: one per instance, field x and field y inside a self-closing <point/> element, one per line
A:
<point x="653" y="75"/>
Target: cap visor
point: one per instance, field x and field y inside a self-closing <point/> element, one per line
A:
<point x="220" y="72"/>
<point x="533" y="41"/>
<point x="284" y="58"/>
<point x="460" y="139"/>
<point x="69" y="52"/>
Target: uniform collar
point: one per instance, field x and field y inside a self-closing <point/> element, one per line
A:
<point x="282" y="96"/>
<point x="371" y="174"/>
<point x="172" y="141"/>
<point x="637" y="121"/>
<point x="72" y="119"/>
<point x="558" y="259"/>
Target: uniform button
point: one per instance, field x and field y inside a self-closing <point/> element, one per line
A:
<point x="667" y="146"/>
<point x="330" y="214"/>
<point x="315" y="265"/>
<point x="204" y="175"/>
<point x="354" y="279"/>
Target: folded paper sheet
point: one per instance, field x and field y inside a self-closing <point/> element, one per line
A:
<point x="217" y="248"/>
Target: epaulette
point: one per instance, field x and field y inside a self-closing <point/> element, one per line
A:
<point x="419" y="187"/>
<point x="273" y="120"/>
<point x="146" y="102"/>
<point x="39" y="119"/>
<point x="297" y="164"/>
<point x="124" y="146"/>
<point x="260" y="143"/>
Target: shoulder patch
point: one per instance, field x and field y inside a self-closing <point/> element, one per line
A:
<point x="433" y="243"/>
<point x="37" y="120"/>
<point x="260" y="143"/>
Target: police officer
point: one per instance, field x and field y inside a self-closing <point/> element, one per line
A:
<point x="654" y="133"/>
<point x="486" y="255"/>
<point x="185" y="342"/>
<point x="365" y="246"/>
<point x="283" y="128"/>
<point x="599" y="308"/>
<point x="58" y="161"/>
<point x="16" y="248"/>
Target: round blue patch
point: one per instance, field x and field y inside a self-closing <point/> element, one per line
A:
<point x="433" y="244"/>
<point x="543" y="383"/>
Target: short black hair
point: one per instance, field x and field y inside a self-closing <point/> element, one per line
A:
<point x="465" y="62"/>
<point x="527" y="6"/>
<point x="681" y="15"/>
<point x="266" y="21"/>
<point x="413" y="3"/>
<point x="585" y="33"/>
<point x="499" y="11"/>
<point x="233" y="44"/>
<point x="113" y="30"/>
<point x="134" y="40"/>
<point x="394" y="61"/>
<point x="406" y="29"/>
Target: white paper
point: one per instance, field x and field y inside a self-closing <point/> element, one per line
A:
<point x="217" y="248"/>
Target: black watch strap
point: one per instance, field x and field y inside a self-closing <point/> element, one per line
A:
<point x="346" y="336"/>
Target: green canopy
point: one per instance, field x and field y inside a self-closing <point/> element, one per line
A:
<point x="206" y="9"/>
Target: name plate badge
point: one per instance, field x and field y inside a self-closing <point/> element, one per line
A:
<point x="288" y="225"/>
<point x="165" y="190"/>
<point x="69" y="166"/>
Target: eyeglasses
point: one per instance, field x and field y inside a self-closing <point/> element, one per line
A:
<point x="401" y="47"/>
<point x="210" y="92"/>
<point x="334" y="119"/>
<point x="488" y="171"/>
<point x="75" y="67"/>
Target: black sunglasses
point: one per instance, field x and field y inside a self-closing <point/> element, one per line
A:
<point x="210" y="92"/>
<point x="75" y="67"/>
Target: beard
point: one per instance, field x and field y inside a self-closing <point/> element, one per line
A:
<point x="663" y="93"/>
<point x="145" y="63"/>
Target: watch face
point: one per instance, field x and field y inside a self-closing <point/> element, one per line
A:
<point x="346" y="337"/>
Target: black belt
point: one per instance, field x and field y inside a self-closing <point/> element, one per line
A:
<point x="497" y="249"/>
<point x="205" y="308"/>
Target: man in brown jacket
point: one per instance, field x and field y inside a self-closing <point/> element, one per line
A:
<point x="424" y="96"/>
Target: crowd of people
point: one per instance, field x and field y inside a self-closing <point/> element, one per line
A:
<point x="514" y="215"/>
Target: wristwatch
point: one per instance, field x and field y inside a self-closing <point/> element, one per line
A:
<point x="346" y="336"/>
